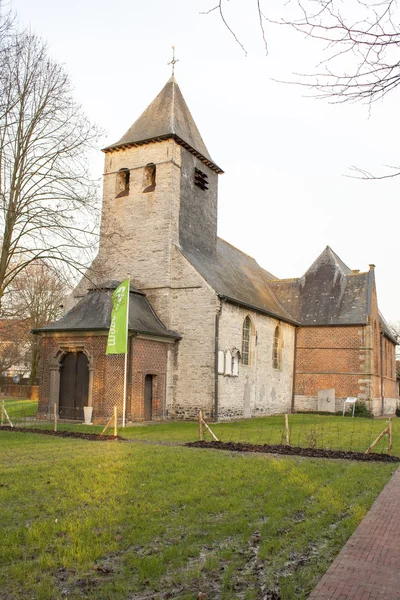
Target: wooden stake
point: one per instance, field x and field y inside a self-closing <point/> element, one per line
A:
<point x="390" y="449"/>
<point x="108" y="424"/>
<point x="201" y="434"/>
<point x="208" y="429"/>
<point x="3" y="411"/>
<point x="115" y="422"/>
<point x="380" y="436"/>
<point x="55" y="416"/>
<point x="287" y="430"/>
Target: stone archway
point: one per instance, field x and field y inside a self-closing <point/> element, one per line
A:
<point x="74" y="359"/>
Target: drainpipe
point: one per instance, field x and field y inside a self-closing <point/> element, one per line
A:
<point x="382" y="379"/>
<point x="294" y="370"/>
<point x="217" y="317"/>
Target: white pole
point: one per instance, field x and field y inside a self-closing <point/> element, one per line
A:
<point x="126" y="354"/>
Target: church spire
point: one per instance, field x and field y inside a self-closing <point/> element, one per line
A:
<point x="168" y="116"/>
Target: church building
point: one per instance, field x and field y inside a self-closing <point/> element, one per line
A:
<point x="209" y="329"/>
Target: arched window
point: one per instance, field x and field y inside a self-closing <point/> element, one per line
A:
<point x="246" y="341"/>
<point x="149" y="178"/>
<point x="277" y="349"/>
<point x="122" y="183"/>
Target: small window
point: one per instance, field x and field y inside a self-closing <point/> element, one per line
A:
<point x="201" y="179"/>
<point x="246" y="338"/>
<point x="277" y="349"/>
<point x="149" y="178"/>
<point x="122" y="183"/>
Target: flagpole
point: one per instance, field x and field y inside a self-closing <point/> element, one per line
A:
<point x="126" y="353"/>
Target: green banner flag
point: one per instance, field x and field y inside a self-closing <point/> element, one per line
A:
<point x="118" y="335"/>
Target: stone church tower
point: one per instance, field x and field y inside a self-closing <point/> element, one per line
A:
<point x="160" y="200"/>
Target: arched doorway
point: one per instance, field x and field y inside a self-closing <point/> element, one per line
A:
<point x="74" y="385"/>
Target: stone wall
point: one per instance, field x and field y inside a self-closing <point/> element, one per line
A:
<point x="259" y="389"/>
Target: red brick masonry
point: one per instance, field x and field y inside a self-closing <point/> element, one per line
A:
<point x="368" y="566"/>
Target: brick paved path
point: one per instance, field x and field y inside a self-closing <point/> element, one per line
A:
<point x="368" y="566"/>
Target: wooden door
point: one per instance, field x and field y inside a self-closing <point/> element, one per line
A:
<point x="148" y="397"/>
<point x="74" y="386"/>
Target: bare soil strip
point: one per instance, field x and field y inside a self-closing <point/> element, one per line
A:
<point x="294" y="451"/>
<point x="94" y="437"/>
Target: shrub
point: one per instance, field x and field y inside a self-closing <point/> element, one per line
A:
<point x="362" y="410"/>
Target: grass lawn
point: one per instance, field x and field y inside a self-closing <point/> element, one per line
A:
<point x="307" y="430"/>
<point x="102" y="520"/>
<point x="310" y="430"/>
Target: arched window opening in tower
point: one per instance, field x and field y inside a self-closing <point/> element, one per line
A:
<point x="122" y="183"/>
<point x="149" y="178"/>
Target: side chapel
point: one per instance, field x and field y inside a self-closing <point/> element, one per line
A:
<point x="209" y="329"/>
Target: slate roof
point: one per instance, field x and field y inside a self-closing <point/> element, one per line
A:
<point x="329" y="293"/>
<point x="237" y="277"/>
<point x="168" y="116"/>
<point x="93" y="313"/>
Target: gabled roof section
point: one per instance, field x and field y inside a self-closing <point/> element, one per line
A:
<point x="168" y="116"/>
<point x="93" y="313"/>
<point x="329" y="293"/>
<point x="238" y="278"/>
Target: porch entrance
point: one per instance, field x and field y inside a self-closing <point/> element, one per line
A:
<point x="74" y="386"/>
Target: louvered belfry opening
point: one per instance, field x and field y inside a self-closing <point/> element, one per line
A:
<point x="200" y="179"/>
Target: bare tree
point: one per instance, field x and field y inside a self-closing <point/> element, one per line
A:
<point x="35" y="299"/>
<point x="360" y="44"/>
<point x="14" y="352"/>
<point x="47" y="200"/>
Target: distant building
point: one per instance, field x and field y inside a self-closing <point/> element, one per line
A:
<point x="209" y="329"/>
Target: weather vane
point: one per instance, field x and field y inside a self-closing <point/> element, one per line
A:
<point x="173" y="61"/>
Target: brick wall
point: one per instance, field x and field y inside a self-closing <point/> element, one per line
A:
<point x="347" y="359"/>
<point x="147" y="356"/>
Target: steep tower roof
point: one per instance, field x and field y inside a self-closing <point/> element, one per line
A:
<point x="168" y="116"/>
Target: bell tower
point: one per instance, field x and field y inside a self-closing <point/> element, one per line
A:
<point x="160" y="190"/>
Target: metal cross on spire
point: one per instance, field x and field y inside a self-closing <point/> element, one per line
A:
<point x="173" y="61"/>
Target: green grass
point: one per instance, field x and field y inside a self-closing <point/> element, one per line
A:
<point x="114" y="520"/>
<point x="20" y="409"/>
<point x="307" y="430"/>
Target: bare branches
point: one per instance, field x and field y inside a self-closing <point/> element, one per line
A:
<point x="261" y="17"/>
<point x="362" y="46"/>
<point x="48" y="204"/>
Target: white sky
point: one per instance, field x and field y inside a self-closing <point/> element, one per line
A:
<point x="284" y="195"/>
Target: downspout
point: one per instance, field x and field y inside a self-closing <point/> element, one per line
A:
<point x="217" y="317"/>
<point x="382" y="379"/>
<point x="294" y="370"/>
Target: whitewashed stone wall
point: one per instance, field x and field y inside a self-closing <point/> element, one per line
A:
<point x="310" y="403"/>
<point x="193" y="306"/>
<point x="259" y="389"/>
<point x="137" y="230"/>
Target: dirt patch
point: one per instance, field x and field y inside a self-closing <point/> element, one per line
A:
<point x="95" y="437"/>
<point x="293" y="451"/>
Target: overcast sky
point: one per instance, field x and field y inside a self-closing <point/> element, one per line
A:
<point x="285" y="194"/>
